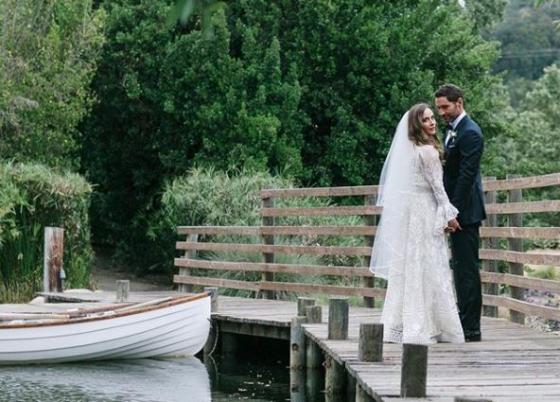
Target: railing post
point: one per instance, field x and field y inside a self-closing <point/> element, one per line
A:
<point x="370" y="220"/>
<point x="185" y="287"/>
<point x="516" y="245"/>
<point x="268" y="240"/>
<point x="490" y="243"/>
<point x="53" y="254"/>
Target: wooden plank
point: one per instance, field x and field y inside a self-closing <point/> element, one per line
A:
<point x="280" y="230"/>
<point x="522" y="182"/>
<point x="521" y="281"/>
<point x="319" y="192"/>
<point x="346" y="271"/>
<point x="262" y="248"/>
<point x="323" y="211"/>
<point x="280" y="286"/>
<point x="524" y="207"/>
<point x="520" y="257"/>
<point x="549" y="313"/>
<point x="521" y="232"/>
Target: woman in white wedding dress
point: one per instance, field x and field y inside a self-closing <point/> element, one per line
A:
<point x="410" y="248"/>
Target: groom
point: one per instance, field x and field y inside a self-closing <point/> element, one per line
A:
<point x="463" y="148"/>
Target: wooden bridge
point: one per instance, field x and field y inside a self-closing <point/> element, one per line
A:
<point x="300" y="249"/>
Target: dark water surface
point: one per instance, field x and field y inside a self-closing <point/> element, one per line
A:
<point x="148" y="380"/>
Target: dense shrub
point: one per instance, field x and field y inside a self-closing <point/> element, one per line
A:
<point x="32" y="197"/>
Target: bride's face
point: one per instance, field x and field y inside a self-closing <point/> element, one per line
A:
<point x="428" y="122"/>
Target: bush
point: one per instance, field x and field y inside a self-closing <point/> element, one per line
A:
<point x="32" y="197"/>
<point x="209" y="197"/>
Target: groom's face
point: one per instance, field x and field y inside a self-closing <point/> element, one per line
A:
<point x="449" y="110"/>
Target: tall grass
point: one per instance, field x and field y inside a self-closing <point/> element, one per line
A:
<point x="32" y="197"/>
<point x="207" y="197"/>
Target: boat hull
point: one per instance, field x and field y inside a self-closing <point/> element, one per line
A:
<point x="173" y="330"/>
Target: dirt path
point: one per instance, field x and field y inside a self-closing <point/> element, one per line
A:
<point x="104" y="275"/>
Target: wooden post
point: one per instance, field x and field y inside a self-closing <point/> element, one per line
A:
<point x="123" y="289"/>
<point x="185" y="287"/>
<point x="362" y="395"/>
<point x="268" y="239"/>
<point x="313" y="354"/>
<point x="350" y="386"/>
<point x="414" y="371"/>
<point x="314" y="384"/>
<point x="297" y="386"/>
<point x="297" y="343"/>
<point x="213" y="298"/>
<point x="335" y="376"/>
<point x="516" y="245"/>
<point x="491" y="243"/>
<point x="370" y="220"/>
<point x="370" y="347"/>
<point x="338" y="318"/>
<point x="53" y="254"/>
<point x="302" y="303"/>
<point x="314" y="314"/>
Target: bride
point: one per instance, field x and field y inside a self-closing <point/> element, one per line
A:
<point x="410" y="248"/>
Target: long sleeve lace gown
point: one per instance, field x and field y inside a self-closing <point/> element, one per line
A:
<point x="420" y="305"/>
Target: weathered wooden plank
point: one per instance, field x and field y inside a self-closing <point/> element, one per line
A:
<point x="533" y="258"/>
<point x="521" y="232"/>
<point x="263" y="248"/>
<point x="522" y="182"/>
<point x="322" y="211"/>
<point x="520" y="281"/>
<point x="524" y="307"/>
<point x="279" y="230"/>
<point x="524" y="207"/>
<point x="346" y="271"/>
<point x="319" y="192"/>
<point x="219" y="282"/>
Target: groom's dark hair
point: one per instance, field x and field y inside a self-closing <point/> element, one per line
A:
<point x="450" y="91"/>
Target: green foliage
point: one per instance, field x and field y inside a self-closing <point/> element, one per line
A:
<point x="309" y="90"/>
<point x="47" y="58"/>
<point x="32" y="197"/>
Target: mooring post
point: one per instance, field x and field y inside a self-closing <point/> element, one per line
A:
<point x="362" y="395"/>
<point x="335" y="376"/>
<point x="297" y="343"/>
<point x="213" y="291"/>
<point x="53" y="254"/>
<point x="302" y="303"/>
<point x="414" y="371"/>
<point x="338" y="318"/>
<point x="314" y="314"/>
<point x="297" y="386"/>
<point x="123" y="290"/>
<point x="370" y="346"/>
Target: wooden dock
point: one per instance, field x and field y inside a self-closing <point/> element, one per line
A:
<point x="513" y="363"/>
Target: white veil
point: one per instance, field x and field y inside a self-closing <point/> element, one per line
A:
<point x="394" y="186"/>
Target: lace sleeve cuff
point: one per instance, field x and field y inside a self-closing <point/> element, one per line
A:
<point x="444" y="214"/>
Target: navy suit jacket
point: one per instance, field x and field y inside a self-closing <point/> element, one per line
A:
<point x="461" y="172"/>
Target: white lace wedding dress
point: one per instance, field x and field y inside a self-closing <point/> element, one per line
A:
<point x="420" y="305"/>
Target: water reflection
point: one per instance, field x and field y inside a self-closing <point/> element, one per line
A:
<point x="145" y="380"/>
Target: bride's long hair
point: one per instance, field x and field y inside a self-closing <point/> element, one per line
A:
<point x="415" y="132"/>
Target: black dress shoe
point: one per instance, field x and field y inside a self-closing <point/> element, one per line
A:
<point x="472" y="338"/>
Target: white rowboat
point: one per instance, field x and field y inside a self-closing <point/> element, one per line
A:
<point x="171" y="327"/>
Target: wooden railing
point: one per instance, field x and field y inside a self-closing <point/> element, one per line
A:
<point x="502" y="250"/>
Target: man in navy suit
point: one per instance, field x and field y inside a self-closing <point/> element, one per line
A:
<point x="463" y="146"/>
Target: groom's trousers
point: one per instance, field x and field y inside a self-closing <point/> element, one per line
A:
<point x="466" y="264"/>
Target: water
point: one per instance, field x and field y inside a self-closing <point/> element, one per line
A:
<point x="148" y="380"/>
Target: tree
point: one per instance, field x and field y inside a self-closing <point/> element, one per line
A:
<point x="48" y="55"/>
